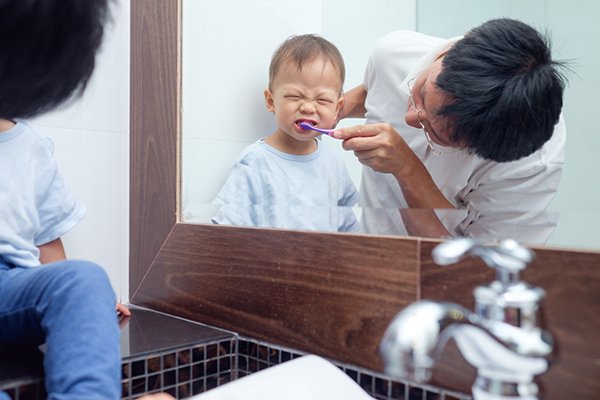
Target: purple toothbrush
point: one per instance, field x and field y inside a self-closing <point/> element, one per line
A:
<point x="307" y="126"/>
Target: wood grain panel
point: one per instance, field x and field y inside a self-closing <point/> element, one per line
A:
<point x="572" y="309"/>
<point x="329" y="294"/>
<point x="153" y="131"/>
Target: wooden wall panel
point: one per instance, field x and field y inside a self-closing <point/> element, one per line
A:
<point x="153" y="131"/>
<point x="572" y="309"/>
<point x="331" y="295"/>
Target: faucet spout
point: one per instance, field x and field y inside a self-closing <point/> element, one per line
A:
<point x="415" y="338"/>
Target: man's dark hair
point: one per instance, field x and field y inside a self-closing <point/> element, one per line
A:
<point x="47" y="52"/>
<point x="507" y="92"/>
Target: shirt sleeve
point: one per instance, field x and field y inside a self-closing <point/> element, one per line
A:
<point x="241" y="198"/>
<point x="58" y="208"/>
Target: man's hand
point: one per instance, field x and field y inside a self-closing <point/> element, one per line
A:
<point x="377" y="146"/>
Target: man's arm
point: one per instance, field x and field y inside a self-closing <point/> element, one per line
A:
<point x="354" y="103"/>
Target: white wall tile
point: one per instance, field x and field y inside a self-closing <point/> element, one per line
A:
<point x="91" y="147"/>
<point x="103" y="99"/>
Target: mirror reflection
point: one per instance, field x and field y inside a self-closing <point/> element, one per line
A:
<point x="224" y="107"/>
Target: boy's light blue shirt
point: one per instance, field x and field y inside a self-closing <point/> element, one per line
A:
<point x="271" y="189"/>
<point x="36" y="205"/>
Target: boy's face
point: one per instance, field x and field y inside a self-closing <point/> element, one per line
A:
<point x="311" y="95"/>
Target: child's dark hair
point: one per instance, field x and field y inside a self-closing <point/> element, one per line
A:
<point x="507" y="92"/>
<point x="47" y="52"/>
<point x="304" y="49"/>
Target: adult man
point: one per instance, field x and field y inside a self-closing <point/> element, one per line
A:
<point x="481" y="133"/>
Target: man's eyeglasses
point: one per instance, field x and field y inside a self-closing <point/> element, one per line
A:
<point x="429" y="141"/>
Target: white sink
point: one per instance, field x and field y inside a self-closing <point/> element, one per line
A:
<point x="305" y="378"/>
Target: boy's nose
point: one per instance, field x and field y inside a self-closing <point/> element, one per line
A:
<point x="307" y="107"/>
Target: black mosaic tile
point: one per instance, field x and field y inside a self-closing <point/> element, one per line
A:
<point x="225" y="377"/>
<point x="154" y="382"/>
<point x="184" y="390"/>
<point x="172" y="391"/>
<point x="212" y="351"/>
<point x="125" y="389"/>
<point x="138" y="386"/>
<point x="198" y="386"/>
<point x="184" y="374"/>
<point x="138" y="368"/>
<point x="430" y="395"/>
<point x="415" y="393"/>
<point x="252" y="365"/>
<point x="169" y="360"/>
<point x="225" y="347"/>
<point x="262" y="365"/>
<point x="253" y="349"/>
<point x="153" y="364"/>
<point x="242" y="363"/>
<point x="450" y="397"/>
<point x="263" y="353"/>
<point x="381" y="387"/>
<point x="398" y="390"/>
<point x="169" y="378"/>
<point x="352" y="374"/>
<point x="285" y="356"/>
<point x="242" y="347"/>
<point x="274" y="356"/>
<point x="212" y="367"/>
<point x="198" y="354"/>
<point x="224" y="364"/>
<point x="366" y="382"/>
<point x="198" y="370"/>
<point x="184" y="357"/>
<point x="212" y="382"/>
<point x="125" y="371"/>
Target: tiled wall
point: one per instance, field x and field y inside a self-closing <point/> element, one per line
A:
<point x="190" y="370"/>
<point x="181" y="372"/>
<point x="91" y="138"/>
<point x="254" y="356"/>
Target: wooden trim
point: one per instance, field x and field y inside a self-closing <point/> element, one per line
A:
<point x="331" y="295"/>
<point x="154" y="144"/>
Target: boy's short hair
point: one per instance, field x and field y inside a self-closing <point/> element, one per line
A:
<point x="47" y="52"/>
<point x="506" y="90"/>
<point x="300" y="50"/>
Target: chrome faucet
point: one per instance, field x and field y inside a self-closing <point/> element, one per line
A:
<point x="504" y="338"/>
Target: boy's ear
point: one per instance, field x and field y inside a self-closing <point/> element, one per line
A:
<point x="269" y="100"/>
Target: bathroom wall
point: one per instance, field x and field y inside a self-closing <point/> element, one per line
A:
<point x="91" y="138"/>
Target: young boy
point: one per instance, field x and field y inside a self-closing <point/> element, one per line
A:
<point x="289" y="179"/>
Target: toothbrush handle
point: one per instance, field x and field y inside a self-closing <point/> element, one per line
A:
<point x="309" y="126"/>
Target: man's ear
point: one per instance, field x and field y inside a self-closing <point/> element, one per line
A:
<point x="269" y="100"/>
<point x="340" y="104"/>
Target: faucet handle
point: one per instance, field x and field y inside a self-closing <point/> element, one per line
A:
<point x="507" y="257"/>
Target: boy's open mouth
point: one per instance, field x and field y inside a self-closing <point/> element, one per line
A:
<point x="308" y="121"/>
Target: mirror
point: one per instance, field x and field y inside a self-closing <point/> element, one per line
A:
<point x="225" y="70"/>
